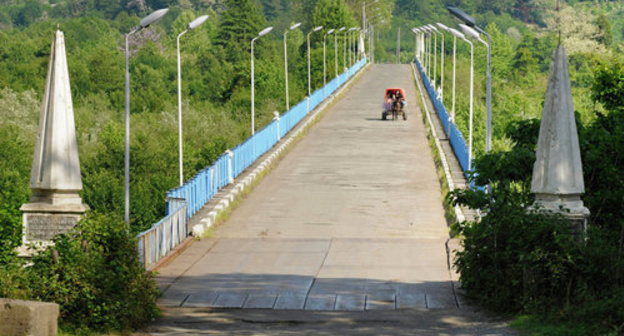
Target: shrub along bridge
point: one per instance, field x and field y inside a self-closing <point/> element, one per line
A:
<point x="350" y="219"/>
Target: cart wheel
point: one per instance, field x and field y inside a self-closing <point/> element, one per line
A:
<point x="404" y="116"/>
<point x="383" y="115"/>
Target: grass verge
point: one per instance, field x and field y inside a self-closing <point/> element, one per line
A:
<point x="544" y="326"/>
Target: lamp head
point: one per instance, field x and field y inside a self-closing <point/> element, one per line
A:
<point x="467" y="19"/>
<point x="265" y="31"/>
<point x="155" y="16"/>
<point x="432" y="28"/>
<point x="442" y="26"/>
<point x="457" y="34"/>
<point x="470" y="32"/>
<point x="317" y="29"/>
<point x="295" y="26"/>
<point x="341" y="29"/>
<point x="197" y="22"/>
<point x="330" y="31"/>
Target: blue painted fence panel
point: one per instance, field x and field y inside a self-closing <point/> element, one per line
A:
<point x="184" y="201"/>
<point x="458" y="142"/>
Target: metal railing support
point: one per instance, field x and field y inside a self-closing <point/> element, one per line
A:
<point x="277" y="119"/>
<point x="230" y="156"/>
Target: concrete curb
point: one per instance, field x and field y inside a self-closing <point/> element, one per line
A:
<point x="245" y="181"/>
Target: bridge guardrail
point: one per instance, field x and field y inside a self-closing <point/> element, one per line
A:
<point x="458" y="142"/>
<point x="184" y="201"/>
<point x="165" y="235"/>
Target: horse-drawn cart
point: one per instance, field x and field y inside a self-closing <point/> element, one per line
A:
<point x="394" y="104"/>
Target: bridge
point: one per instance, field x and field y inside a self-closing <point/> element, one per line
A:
<point x="349" y="220"/>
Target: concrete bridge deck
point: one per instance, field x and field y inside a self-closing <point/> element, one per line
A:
<point x="350" y="220"/>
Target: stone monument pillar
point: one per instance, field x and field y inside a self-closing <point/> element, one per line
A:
<point x="558" y="172"/>
<point x="55" y="206"/>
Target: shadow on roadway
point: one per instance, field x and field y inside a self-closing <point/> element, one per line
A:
<point x="372" y="318"/>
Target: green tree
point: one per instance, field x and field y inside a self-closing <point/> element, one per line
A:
<point x="605" y="33"/>
<point x="239" y="24"/>
<point x="608" y="86"/>
<point x="28" y="13"/>
<point x="272" y="8"/>
<point x="502" y="51"/>
<point x="332" y="14"/>
<point x="14" y="176"/>
<point x="524" y="63"/>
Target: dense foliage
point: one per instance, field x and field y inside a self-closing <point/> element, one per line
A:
<point x="517" y="259"/>
<point x="93" y="273"/>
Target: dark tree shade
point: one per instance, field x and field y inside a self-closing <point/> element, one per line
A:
<point x="238" y="25"/>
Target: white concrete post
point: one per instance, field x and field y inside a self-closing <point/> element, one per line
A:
<point x="212" y="180"/>
<point x="230" y="156"/>
<point x="277" y="119"/>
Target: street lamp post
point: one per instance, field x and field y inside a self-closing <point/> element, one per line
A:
<point x="364" y="4"/>
<point x="344" y="49"/>
<point x="427" y="50"/>
<point x="429" y="33"/>
<point x="356" y="44"/>
<point x="350" y="45"/>
<point x="443" y="27"/>
<point x="194" y="24"/>
<point x="435" y="32"/>
<point x="309" y="76"/>
<point x="455" y="34"/>
<point x="293" y="27"/>
<point x="423" y="45"/>
<point x="463" y="37"/>
<point x="325" y="56"/>
<point x="475" y="35"/>
<point x="336" y="52"/>
<point x="144" y="23"/>
<point x="253" y="81"/>
<point x="371" y="38"/>
<point x="364" y="21"/>
<point x="471" y="22"/>
<point x="416" y="32"/>
<point x="349" y="32"/>
<point x="419" y="34"/>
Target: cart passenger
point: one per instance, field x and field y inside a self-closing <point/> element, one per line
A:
<point x="401" y="99"/>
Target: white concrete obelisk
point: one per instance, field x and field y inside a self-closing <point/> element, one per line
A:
<point x="558" y="172"/>
<point x="55" y="206"/>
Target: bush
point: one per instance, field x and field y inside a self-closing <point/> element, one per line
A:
<point x="515" y="259"/>
<point x="94" y="274"/>
<point x="519" y="260"/>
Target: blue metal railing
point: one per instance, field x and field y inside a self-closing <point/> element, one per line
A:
<point x="165" y="235"/>
<point x="458" y="142"/>
<point x="184" y="201"/>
